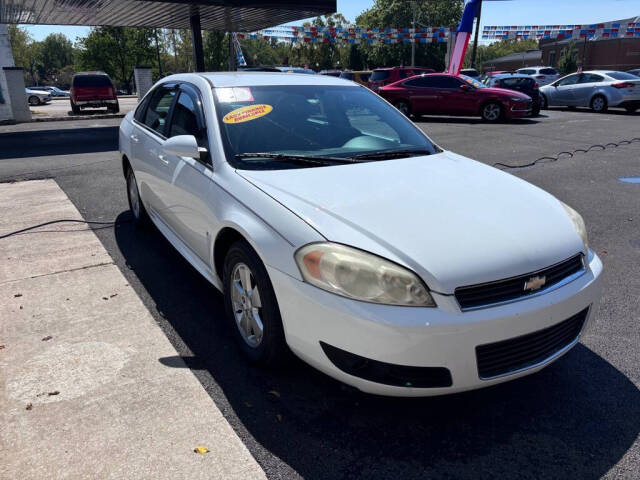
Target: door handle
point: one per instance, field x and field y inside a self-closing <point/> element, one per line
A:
<point x="163" y="159"/>
<point x="134" y="138"/>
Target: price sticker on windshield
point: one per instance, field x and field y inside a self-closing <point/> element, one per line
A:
<point x="248" y="113"/>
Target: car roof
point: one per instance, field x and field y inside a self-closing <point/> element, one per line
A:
<point x="244" y="79"/>
<point x="90" y="73"/>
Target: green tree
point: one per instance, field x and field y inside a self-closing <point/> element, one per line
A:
<point x="26" y="52"/>
<point x="55" y="53"/>
<point x="116" y="51"/>
<point x="393" y="13"/>
<point x="216" y="50"/>
<point x="568" y="62"/>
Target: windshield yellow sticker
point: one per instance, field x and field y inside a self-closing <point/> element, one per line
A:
<point x="244" y="114"/>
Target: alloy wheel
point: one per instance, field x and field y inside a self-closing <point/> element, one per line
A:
<point x="247" y="305"/>
<point x="491" y="112"/>
<point x="598" y="104"/>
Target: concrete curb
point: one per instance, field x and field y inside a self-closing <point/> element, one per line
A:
<point x="77" y="117"/>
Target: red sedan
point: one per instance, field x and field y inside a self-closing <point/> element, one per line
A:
<point x="443" y="94"/>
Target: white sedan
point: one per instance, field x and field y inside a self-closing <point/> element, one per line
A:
<point x="338" y="230"/>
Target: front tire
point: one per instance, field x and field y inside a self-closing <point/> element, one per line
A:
<point x="33" y="100"/>
<point x="491" y="112"/>
<point x="599" y="104"/>
<point x="140" y="217"/>
<point x="544" y="104"/>
<point x="404" y="107"/>
<point x="251" y="307"/>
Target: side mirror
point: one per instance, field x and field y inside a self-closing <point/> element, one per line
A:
<point x="182" y="146"/>
<point x="465" y="88"/>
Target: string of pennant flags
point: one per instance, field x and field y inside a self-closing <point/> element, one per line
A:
<point x="599" y="30"/>
<point x="362" y="35"/>
<point x="353" y="35"/>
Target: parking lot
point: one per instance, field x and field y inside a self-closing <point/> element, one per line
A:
<point x="61" y="108"/>
<point x="578" y="418"/>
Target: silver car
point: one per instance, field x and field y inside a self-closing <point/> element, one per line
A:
<point x="597" y="89"/>
<point x="37" y="97"/>
<point x="543" y="75"/>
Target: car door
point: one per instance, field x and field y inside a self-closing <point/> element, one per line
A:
<point x="150" y="165"/>
<point x="583" y="90"/>
<point x="423" y="95"/>
<point x="189" y="212"/>
<point x="455" y="100"/>
<point x="562" y="92"/>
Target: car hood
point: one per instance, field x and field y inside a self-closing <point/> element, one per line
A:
<point x="452" y="220"/>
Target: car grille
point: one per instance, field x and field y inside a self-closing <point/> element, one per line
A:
<point x="510" y="356"/>
<point x="478" y="296"/>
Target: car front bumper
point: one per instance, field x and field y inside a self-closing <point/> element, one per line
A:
<point x="423" y="337"/>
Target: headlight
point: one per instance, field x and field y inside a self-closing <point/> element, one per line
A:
<point x="578" y="223"/>
<point x="517" y="99"/>
<point x="362" y="276"/>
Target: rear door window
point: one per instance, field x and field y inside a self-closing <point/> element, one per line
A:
<point x="590" y="78"/>
<point x="527" y="71"/>
<point x="158" y="110"/>
<point x="422" y="82"/>
<point x="570" y="80"/>
<point x="548" y="71"/>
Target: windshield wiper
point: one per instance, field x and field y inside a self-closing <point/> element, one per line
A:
<point x="286" y="157"/>
<point x="384" y="154"/>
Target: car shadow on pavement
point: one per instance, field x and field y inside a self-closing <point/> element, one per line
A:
<point x="64" y="141"/>
<point x="575" y="419"/>
<point x="475" y="121"/>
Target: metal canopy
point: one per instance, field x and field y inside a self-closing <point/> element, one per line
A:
<point x="225" y="15"/>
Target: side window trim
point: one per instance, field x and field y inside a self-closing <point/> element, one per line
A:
<point x="186" y="88"/>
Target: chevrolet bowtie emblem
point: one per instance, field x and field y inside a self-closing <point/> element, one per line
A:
<point x="535" y="283"/>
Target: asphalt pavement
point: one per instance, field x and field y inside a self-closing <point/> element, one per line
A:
<point x="61" y="108"/>
<point x="578" y="418"/>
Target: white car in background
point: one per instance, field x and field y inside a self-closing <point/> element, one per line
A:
<point x="543" y="75"/>
<point x="37" y="97"/>
<point x="596" y="89"/>
<point x="336" y="228"/>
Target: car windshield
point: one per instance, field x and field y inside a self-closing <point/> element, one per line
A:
<point x="321" y="122"/>
<point x="621" y="76"/>
<point x="473" y="82"/>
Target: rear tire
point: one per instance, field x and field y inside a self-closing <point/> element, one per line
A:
<point x="404" y="107"/>
<point x="33" y="100"/>
<point x="252" y="308"/>
<point x="599" y="104"/>
<point x="113" y="109"/>
<point x="75" y="109"/>
<point x="140" y="217"/>
<point x="492" y="112"/>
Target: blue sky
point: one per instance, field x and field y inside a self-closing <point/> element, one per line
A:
<point x="515" y="12"/>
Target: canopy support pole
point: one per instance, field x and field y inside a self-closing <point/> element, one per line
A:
<point x="196" y="37"/>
